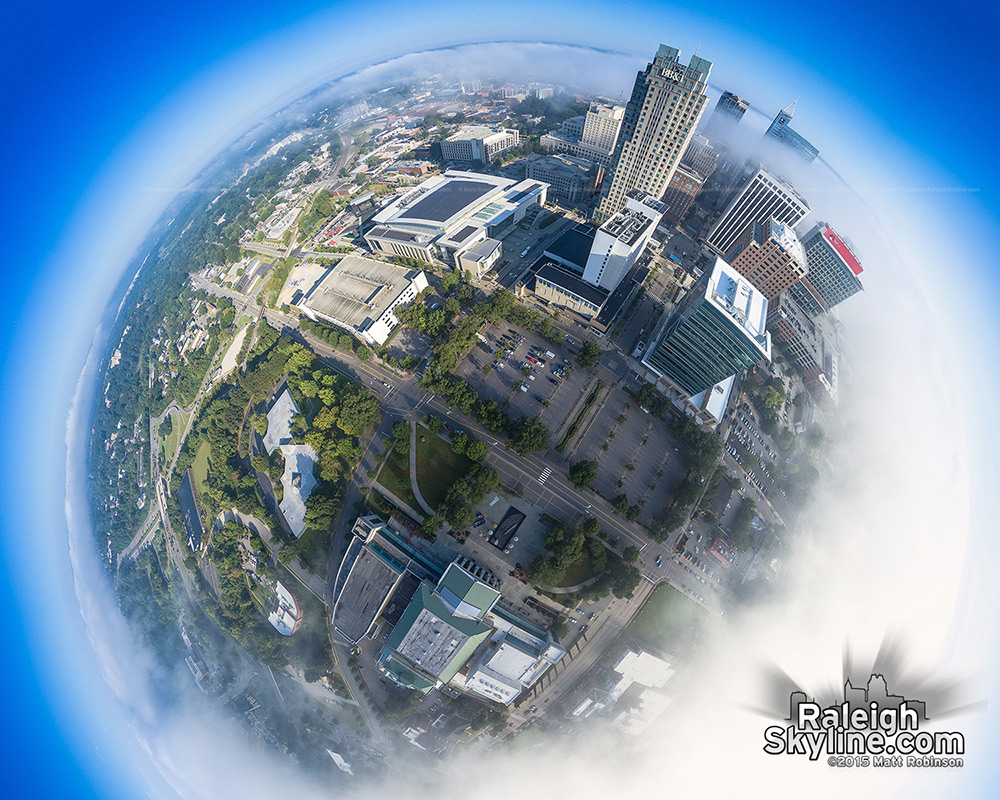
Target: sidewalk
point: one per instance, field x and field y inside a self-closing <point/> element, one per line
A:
<point x="413" y="471"/>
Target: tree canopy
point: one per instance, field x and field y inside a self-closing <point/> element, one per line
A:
<point x="582" y="473"/>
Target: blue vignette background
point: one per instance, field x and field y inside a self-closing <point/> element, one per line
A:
<point x="96" y="93"/>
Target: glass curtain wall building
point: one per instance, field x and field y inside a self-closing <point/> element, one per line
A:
<point x="719" y="331"/>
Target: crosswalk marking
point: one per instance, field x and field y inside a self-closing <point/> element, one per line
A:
<point x="545" y="475"/>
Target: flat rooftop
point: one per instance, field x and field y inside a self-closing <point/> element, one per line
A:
<point x="572" y="284"/>
<point x="572" y="248"/>
<point x="447" y="200"/>
<point x="843" y="249"/>
<point x="371" y="579"/>
<point x="279" y="421"/>
<point x="400" y="598"/>
<point x="356" y="289"/>
<point x="481" y="250"/>
<point x="622" y="292"/>
<point x="432" y="638"/>
<point x="739" y="299"/>
<point x="472" y="132"/>
<point x="628" y="226"/>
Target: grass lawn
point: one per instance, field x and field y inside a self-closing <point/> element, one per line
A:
<point x="170" y="441"/>
<point x="396" y="480"/>
<point x="577" y="572"/>
<point x="180" y="423"/>
<point x="258" y="595"/>
<point x="199" y="469"/>
<point x="437" y="466"/>
<point x="667" y="619"/>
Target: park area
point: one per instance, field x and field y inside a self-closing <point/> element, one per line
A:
<point x="396" y="479"/>
<point x="199" y="469"/>
<point x="576" y="573"/>
<point x="169" y="442"/>
<point x="438" y="466"/>
<point x="668" y="620"/>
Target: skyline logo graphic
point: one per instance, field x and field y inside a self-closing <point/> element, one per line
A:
<point x="870" y="727"/>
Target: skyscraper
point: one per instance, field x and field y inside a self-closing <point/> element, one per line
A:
<point x="719" y="330"/>
<point x="763" y="197"/>
<point x="729" y="110"/>
<point x="779" y="131"/>
<point x="833" y="271"/>
<point x="770" y="256"/>
<point x="667" y="101"/>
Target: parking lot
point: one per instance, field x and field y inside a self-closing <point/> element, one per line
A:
<point x="541" y="385"/>
<point x="754" y="451"/>
<point x="635" y="449"/>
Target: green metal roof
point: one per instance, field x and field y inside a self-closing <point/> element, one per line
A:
<point x="403" y="674"/>
<point x="458" y="585"/>
<point x="397" y="662"/>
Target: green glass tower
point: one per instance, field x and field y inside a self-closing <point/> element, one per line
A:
<point x="717" y="332"/>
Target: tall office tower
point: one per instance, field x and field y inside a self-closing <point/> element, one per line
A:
<point x="681" y="192"/>
<point x="719" y="330"/>
<point x="833" y="271"/>
<point x="764" y="196"/>
<point x="667" y="101"/>
<point x="729" y="110"/>
<point x="620" y="240"/>
<point x="701" y="156"/>
<point x="770" y="256"/>
<point x="779" y="131"/>
<point x="601" y="126"/>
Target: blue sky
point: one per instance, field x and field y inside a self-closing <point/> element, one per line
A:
<point x="111" y="105"/>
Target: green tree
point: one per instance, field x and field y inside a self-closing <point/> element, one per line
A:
<point x="528" y="435"/>
<point x="459" y="443"/>
<point x="582" y="473"/>
<point x="363" y="353"/>
<point x="259" y="423"/>
<point x="623" y="578"/>
<point x="620" y="503"/>
<point x="431" y="524"/>
<point x="401" y="432"/>
<point x="476" y="450"/>
<point x="589" y="354"/>
<point x="630" y="554"/>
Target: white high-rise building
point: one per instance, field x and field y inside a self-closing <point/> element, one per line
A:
<point x="601" y="126"/>
<point x="592" y="136"/>
<point x="764" y="197"/>
<point x="620" y="240"/>
<point x="667" y="102"/>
